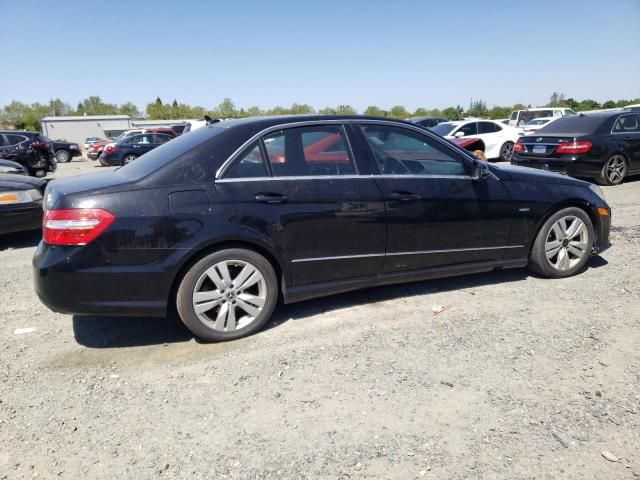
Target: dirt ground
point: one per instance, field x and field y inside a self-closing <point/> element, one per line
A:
<point x="521" y="378"/>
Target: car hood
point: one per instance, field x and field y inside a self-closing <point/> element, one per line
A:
<point x="10" y="181"/>
<point x="526" y="174"/>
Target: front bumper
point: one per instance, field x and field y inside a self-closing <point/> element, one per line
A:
<point x="21" y="219"/>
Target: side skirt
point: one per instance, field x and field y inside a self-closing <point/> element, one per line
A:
<point x="314" y="290"/>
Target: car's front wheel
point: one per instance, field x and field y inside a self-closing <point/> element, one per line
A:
<point x="563" y="244"/>
<point x="506" y="151"/>
<point x="128" y="159"/>
<point x="62" y="156"/>
<point x="614" y="171"/>
<point x="228" y="294"/>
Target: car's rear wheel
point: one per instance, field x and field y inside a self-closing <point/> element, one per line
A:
<point x="62" y="156"/>
<point x="614" y="171"/>
<point x="506" y="151"/>
<point x="227" y="295"/>
<point x="563" y="244"/>
<point x="128" y="159"/>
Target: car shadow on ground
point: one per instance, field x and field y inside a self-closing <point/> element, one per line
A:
<point x="115" y="332"/>
<point x="20" y="240"/>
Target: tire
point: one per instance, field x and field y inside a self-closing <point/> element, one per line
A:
<point x="557" y="244"/>
<point x="39" y="173"/>
<point x="227" y="311"/>
<point x="63" y="156"/>
<point x="613" y="171"/>
<point x="128" y="158"/>
<point x="103" y="163"/>
<point x="506" y="151"/>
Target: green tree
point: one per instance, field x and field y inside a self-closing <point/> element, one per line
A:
<point x="587" y="104"/>
<point x="328" y="111"/>
<point x="398" y="111"/>
<point x="477" y="109"/>
<point x="609" y="104"/>
<point x="345" y="110"/>
<point x="451" y="113"/>
<point x="374" y="111"/>
<point x="297" y="109"/>
<point x="496" y="113"/>
<point x="254" y="111"/>
<point x="129" y="109"/>
<point x="226" y="109"/>
<point x="557" y="100"/>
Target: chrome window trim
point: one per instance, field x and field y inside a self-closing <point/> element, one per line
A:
<point x="333" y="177"/>
<point x="309" y="123"/>
<point x="618" y="119"/>
<point x="395" y="254"/>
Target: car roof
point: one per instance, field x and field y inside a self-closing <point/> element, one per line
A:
<point x="268" y="121"/>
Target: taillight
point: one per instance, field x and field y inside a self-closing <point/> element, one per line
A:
<point x="573" y="147"/>
<point x="110" y="148"/>
<point x="518" y="147"/>
<point x="75" y="226"/>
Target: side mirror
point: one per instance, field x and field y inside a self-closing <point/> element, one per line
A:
<point x="459" y="134"/>
<point x="480" y="171"/>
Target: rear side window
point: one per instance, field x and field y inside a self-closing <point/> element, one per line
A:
<point x="627" y="124"/>
<point x="309" y="151"/>
<point x="12" y="139"/>
<point x="487" y="127"/>
<point x="249" y="165"/>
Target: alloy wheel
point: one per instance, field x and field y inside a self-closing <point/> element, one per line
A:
<point x="62" y="156"/>
<point x="506" y="151"/>
<point x="128" y="159"/>
<point x="615" y="169"/>
<point x="229" y="295"/>
<point x="566" y="243"/>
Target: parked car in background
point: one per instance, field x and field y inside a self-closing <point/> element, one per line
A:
<point x="632" y="108"/>
<point x="64" y="151"/>
<point x="602" y="146"/>
<point x="129" y="148"/>
<point x="225" y="221"/>
<point x="498" y="138"/>
<point x="31" y="149"/>
<point x="20" y="203"/>
<point x="536" y="124"/>
<point x="7" y="166"/>
<point x="472" y="144"/>
<point x="520" y="117"/>
<point x="428" y="121"/>
<point x="165" y="130"/>
<point x="95" y="150"/>
<point x="178" y="128"/>
<point x="90" y="141"/>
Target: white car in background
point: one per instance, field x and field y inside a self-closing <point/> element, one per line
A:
<point x="536" y="124"/>
<point x="497" y="137"/>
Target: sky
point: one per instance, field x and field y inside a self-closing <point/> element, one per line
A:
<point x="429" y="54"/>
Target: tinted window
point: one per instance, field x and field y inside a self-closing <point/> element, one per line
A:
<point x="514" y="115"/>
<point x="400" y="151"/>
<point x="487" y="127"/>
<point x="308" y="151"/>
<point x="250" y="164"/>
<point x="12" y="139"/>
<point x="443" y="129"/>
<point x="627" y="124"/>
<point x="574" y="125"/>
<point x="469" y="129"/>
<point x="192" y="150"/>
<point x="161" y="138"/>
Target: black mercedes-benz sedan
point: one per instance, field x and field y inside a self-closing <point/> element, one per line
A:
<point x="603" y="146"/>
<point x="225" y="221"/>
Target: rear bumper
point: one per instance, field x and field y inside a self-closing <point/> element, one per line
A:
<point x="83" y="280"/>
<point x="567" y="165"/>
<point x="92" y="156"/>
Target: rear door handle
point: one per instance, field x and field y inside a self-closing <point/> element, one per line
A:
<point x="271" y="198"/>
<point x="405" y="196"/>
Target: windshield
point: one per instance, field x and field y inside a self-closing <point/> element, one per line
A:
<point x="167" y="152"/>
<point x="443" y="128"/>
<point x="536" y="122"/>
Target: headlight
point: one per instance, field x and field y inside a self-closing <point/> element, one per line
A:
<point x="19" y="196"/>
<point x="73" y="147"/>
<point x="598" y="191"/>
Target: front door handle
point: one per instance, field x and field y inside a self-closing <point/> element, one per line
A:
<point x="405" y="196"/>
<point x="271" y="198"/>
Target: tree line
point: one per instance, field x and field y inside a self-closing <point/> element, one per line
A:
<point x="23" y="116"/>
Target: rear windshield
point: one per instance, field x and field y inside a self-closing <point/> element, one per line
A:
<point x="574" y="125"/>
<point x="167" y="152"/>
<point x="443" y="128"/>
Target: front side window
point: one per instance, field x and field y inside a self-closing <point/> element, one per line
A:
<point x="627" y="124"/>
<point x="309" y="151"/>
<point x="249" y="165"/>
<point x="401" y="151"/>
<point x="469" y="129"/>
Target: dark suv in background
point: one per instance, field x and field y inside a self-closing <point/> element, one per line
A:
<point x="31" y="149"/>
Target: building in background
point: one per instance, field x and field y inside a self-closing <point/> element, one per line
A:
<point x="76" y="129"/>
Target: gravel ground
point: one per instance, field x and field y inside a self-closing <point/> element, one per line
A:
<point x="520" y="378"/>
